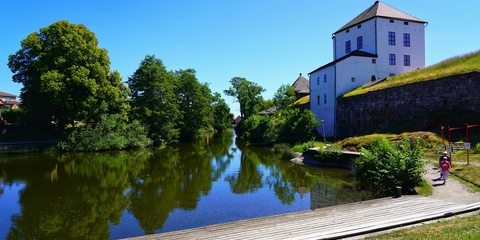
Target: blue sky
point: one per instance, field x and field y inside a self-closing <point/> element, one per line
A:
<point x="266" y="42"/>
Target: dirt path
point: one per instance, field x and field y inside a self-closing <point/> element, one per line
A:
<point x="453" y="191"/>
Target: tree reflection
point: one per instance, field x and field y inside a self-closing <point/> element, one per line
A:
<point x="81" y="200"/>
<point x="175" y="178"/>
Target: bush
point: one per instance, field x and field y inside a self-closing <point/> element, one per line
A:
<point x="13" y="115"/>
<point x="389" y="164"/>
<point x="111" y="133"/>
<point x="301" y="148"/>
<point x="329" y="153"/>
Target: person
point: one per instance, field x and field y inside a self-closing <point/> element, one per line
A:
<point x="441" y="158"/>
<point x="445" y="165"/>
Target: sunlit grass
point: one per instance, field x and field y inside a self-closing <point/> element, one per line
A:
<point x="453" y="66"/>
<point x="455" y="228"/>
<point x="302" y="100"/>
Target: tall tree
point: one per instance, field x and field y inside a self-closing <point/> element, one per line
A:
<point x="248" y="95"/>
<point x="284" y="96"/>
<point x="154" y="100"/>
<point x="222" y="118"/>
<point x="66" y="76"/>
<point x="194" y="100"/>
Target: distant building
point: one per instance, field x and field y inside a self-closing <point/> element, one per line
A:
<point x="380" y="42"/>
<point x="301" y="87"/>
<point x="7" y="101"/>
<point x="238" y="119"/>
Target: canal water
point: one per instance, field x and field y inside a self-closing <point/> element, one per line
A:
<point x="132" y="193"/>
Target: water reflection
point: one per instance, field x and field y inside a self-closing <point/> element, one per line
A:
<point x="131" y="193"/>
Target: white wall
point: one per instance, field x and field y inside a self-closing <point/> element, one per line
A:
<point x="319" y="88"/>
<point x="416" y="49"/>
<point x="360" y="68"/>
<point x="367" y="31"/>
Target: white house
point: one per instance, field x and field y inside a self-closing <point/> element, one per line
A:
<point x="382" y="41"/>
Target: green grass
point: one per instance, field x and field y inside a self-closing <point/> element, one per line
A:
<point x="455" y="228"/>
<point x="449" y="67"/>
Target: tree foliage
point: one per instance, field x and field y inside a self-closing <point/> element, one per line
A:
<point x="284" y="96"/>
<point x="248" y="95"/>
<point x="154" y="101"/>
<point x="110" y="133"/>
<point x="222" y="118"/>
<point x="292" y="126"/>
<point x="194" y="100"/>
<point x="387" y="165"/>
<point x="66" y="76"/>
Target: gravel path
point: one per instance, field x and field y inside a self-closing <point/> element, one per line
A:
<point x="452" y="191"/>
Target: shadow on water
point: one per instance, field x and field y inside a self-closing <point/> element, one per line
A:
<point x="131" y="193"/>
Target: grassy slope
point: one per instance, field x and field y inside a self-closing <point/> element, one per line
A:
<point x="453" y="66"/>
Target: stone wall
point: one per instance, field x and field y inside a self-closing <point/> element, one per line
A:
<point x="371" y="112"/>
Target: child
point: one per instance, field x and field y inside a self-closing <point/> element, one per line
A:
<point x="445" y="165"/>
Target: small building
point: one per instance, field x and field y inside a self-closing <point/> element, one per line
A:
<point x="8" y="101"/>
<point x="301" y="87"/>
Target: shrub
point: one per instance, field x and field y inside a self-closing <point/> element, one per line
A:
<point x="329" y="153"/>
<point x="389" y="164"/>
<point x="110" y="133"/>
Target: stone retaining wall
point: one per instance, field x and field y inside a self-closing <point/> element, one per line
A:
<point x="368" y="113"/>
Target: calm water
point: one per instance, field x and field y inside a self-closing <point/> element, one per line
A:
<point x="127" y="194"/>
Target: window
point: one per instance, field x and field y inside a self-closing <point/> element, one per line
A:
<point x="406" y="39"/>
<point x="348" y="30"/>
<point x="324" y="78"/>
<point x="374" y="61"/>
<point x="405" y="23"/>
<point x="324" y="98"/>
<point x="359" y="26"/>
<point x="392" y="21"/>
<point x="353" y="79"/>
<point x="406" y="60"/>
<point x="318" y="80"/>
<point x="391" y="59"/>
<point x="318" y="99"/>
<point x="391" y="38"/>
<point x="360" y="42"/>
<point x="391" y="74"/>
<point x="348" y="46"/>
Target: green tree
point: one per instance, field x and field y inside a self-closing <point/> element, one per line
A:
<point x="291" y="126"/>
<point x="284" y="96"/>
<point x="194" y="100"/>
<point x="248" y="95"/>
<point x="154" y="101"/>
<point x="222" y="118"/>
<point x="66" y="76"/>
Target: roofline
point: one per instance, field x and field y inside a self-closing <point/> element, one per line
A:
<point x="386" y="17"/>
<point x="356" y="53"/>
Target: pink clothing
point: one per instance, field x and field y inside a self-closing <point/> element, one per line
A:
<point x="445" y="165"/>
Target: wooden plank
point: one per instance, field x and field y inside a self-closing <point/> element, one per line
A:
<point x="330" y="222"/>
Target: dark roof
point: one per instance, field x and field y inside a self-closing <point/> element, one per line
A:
<point x="379" y="9"/>
<point x="356" y="53"/>
<point x="301" y="85"/>
<point x="4" y="94"/>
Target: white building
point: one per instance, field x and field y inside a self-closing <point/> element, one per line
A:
<point x="382" y="41"/>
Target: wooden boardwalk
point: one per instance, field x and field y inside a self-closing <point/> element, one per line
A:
<point x="328" y="223"/>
